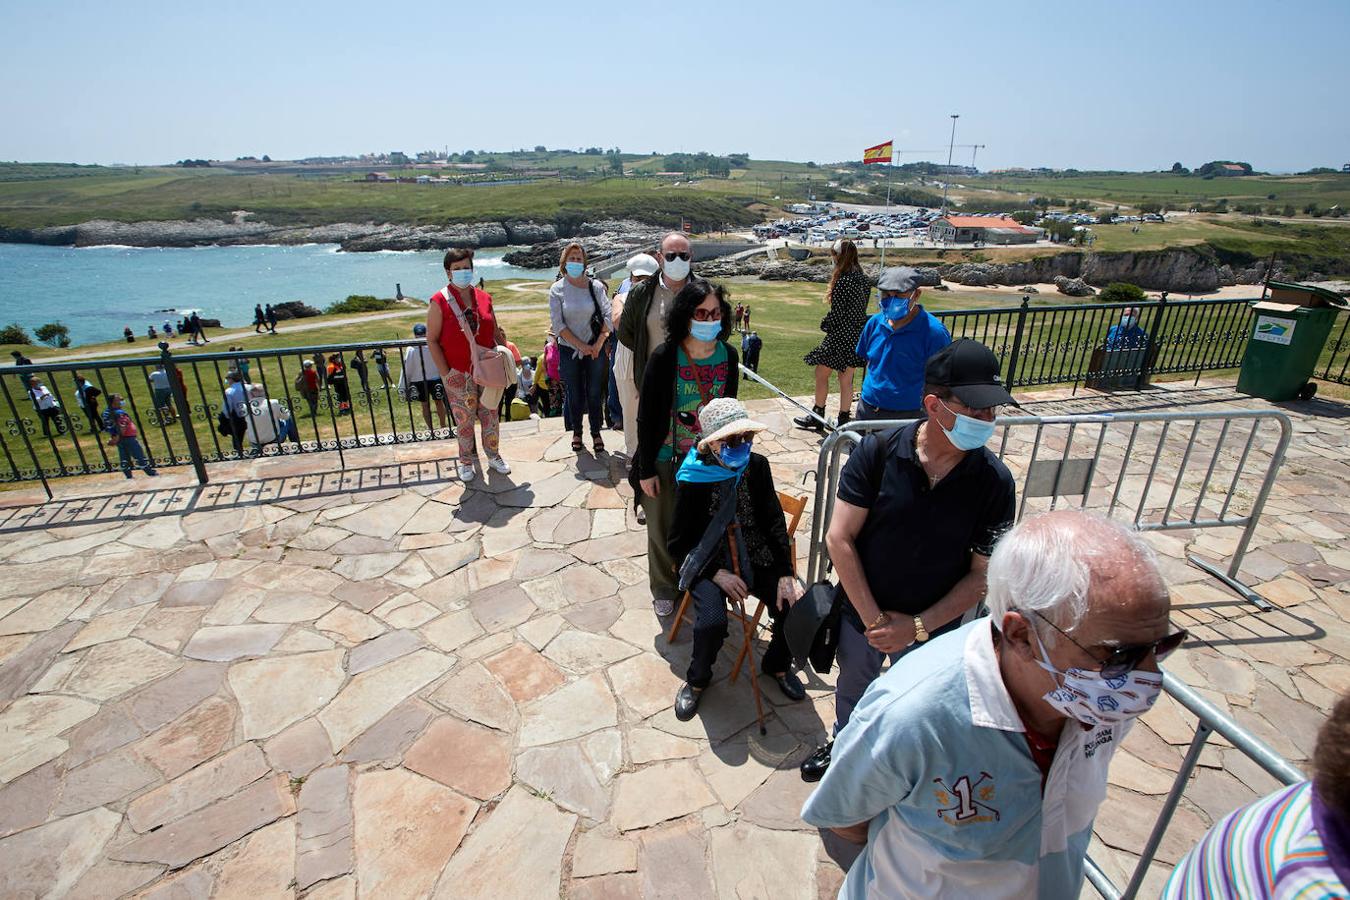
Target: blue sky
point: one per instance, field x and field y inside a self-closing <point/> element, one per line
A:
<point x="1083" y="84"/>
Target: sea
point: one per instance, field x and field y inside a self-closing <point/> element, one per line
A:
<point x="98" y="291"/>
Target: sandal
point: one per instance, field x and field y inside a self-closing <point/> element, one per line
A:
<point x="598" y="442"/>
<point x="577" y="446"/>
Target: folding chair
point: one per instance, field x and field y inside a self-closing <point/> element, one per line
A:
<point x="793" y="507"/>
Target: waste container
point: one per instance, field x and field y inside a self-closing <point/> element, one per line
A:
<point x="1289" y="330"/>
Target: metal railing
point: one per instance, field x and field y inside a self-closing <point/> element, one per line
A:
<point x="1337" y="353"/>
<point x="175" y="402"/>
<point x="1120" y="472"/>
<point x="1211" y="720"/>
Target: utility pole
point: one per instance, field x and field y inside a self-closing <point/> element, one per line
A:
<point x="974" y="148"/>
<point x="951" y="146"/>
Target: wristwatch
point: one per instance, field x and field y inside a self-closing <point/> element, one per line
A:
<point x="920" y="633"/>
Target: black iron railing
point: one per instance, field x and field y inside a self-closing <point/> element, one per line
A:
<point x="1335" y="361"/>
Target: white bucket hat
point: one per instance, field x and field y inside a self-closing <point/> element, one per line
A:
<point x="643" y="264"/>
<point x="724" y="417"/>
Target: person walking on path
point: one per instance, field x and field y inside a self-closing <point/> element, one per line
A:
<point x="270" y="315"/>
<point x="846" y="299"/>
<point x="897" y="343"/>
<point x="918" y="511"/>
<point x="20" y="359"/>
<point x="360" y="365"/>
<point x="123" y="434"/>
<point x="162" y="394"/>
<point x="579" y="313"/>
<point x="87" y="396"/>
<point x="47" y="406"/>
<point x="381" y="366"/>
<point x="198" y="332"/>
<point x="458" y="314"/>
<point x="722" y="485"/>
<point x="308" y="384"/>
<point x="642" y="327"/>
<point x="690" y="368"/>
<point x="641" y="268"/>
<point x="259" y="318"/>
<point x="420" y="380"/>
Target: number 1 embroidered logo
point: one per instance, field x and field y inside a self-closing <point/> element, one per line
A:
<point x="965" y="802"/>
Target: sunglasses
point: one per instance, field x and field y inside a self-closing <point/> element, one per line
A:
<point x="1123" y="660"/>
<point x="671" y="257"/>
<point x="708" y="315"/>
<point x="735" y="440"/>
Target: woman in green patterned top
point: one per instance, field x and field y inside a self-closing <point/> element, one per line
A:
<point x="694" y="365"/>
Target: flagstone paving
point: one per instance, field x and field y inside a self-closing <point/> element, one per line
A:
<point x="384" y="683"/>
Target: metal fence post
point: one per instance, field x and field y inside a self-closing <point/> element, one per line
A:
<point x="184" y="407"/>
<point x="1010" y="378"/>
<point x="1146" y="365"/>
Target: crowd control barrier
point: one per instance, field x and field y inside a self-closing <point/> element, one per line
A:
<point x="1114" y="464"/>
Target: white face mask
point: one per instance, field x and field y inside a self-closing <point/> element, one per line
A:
<point x="1095" y="700"/>
<point x="676" y="269"/>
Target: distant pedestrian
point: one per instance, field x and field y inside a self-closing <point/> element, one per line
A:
<point x="740" y="314"/>
<point x="152" y="334"/>
<point x="271" y="315"/>
<point x="236" y="409"/>
<point x="268" y="420"/>
<point x="168" y="328"/>
<point x="307" y="383"/>
<point x="745" y="322"/>
<point x="125" y="437"/>
<point x="321" y="366"/>
<point x="525" y="382"/>
<point x="87" y="396"/>
<point x="48" y="407"/>
<point x="337" y="381"/>
<point x="360" y="365"/>
<point x="382" y="366"/>
<point x="129" y="335"/>
<point x="20" y="359"/>
<point x="198" y="332"/>
<point x="259" y="318"/>
<point x="162" y="394"/>
<point x="421" y="380"/>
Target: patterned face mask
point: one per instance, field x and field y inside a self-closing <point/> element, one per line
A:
<point x="1094" y="699"/>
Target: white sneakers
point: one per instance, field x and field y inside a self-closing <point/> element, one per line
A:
<point x="466" y="472"/>
<point x="499" y="464"/>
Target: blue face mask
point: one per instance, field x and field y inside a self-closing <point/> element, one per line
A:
<point x="895" y="308"/>
<point x="735" y="457"/>
<point x="968" y="433"/>
<point x="576" y="269"/>
<point x="461" y="278"/>
<point x="705" y="331"/>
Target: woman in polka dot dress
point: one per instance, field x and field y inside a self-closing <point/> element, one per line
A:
<point x="847" y="298"/>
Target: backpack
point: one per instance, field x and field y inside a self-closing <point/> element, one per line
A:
<point x="125" y="427"/>
<point x="300" y="381"/>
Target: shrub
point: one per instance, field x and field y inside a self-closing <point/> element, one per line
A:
<point x="53" y="334"/>
<point x="13" y="333"/>
<point x="1122" y="292"/>
<point x="359" y="303"/>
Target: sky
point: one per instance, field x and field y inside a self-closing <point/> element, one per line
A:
<point x="1083" y="84"/>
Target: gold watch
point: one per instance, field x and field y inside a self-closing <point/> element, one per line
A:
<point x="920" y="633"/>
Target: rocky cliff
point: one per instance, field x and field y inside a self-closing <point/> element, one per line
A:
<point x="598" y="239"/>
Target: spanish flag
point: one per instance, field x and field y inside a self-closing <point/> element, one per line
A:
<point x="881" y="153"/>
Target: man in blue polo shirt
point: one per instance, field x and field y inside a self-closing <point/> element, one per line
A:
<point x="975" y="767"/>
<point x="896" y="343"/>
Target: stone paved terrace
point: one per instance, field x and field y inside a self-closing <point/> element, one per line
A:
<point x="304" y="682"/>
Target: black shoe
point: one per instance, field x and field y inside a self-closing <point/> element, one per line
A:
<point x="686" y="702"/>
<point x="842" y="420"/>
<point x="790" y="685"/>
<point x="811" y="423"/>
<point x="814" y="766"/>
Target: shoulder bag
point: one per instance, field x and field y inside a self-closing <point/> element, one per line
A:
<point x="489" y="368"/>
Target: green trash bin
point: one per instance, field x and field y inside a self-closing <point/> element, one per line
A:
<point x="1289" y="331"/>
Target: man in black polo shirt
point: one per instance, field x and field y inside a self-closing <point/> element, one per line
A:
<point x="918" y="512"/>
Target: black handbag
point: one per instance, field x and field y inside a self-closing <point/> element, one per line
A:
<point x="597" y="322"/>
<point x="223" y="424"/>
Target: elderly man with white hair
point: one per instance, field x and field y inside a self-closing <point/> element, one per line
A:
<point x="975" y="766"/>
<point x="268" y="420"/>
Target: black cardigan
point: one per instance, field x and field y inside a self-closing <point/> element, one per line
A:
<point x="693" y="512"/>
<point x="657" y="399"/>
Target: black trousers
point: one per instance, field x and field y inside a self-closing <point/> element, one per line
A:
<point x="869" y="413"/>
<point x="710" y="627"/>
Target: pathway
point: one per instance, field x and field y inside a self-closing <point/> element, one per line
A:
<point x="384" y="683"/>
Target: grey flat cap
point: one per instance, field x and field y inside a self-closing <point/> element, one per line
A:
<point x="898" y="278"/>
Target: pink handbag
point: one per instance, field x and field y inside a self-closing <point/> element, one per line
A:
<point x="489" y="366"/>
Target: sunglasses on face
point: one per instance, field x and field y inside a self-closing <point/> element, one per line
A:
<point x="708" y="315"/>
<point x="1121" y="661"/>
<point x="735" y="440"/>
<point x="671" y="257"/>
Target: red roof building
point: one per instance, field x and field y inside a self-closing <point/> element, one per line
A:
<point x="982" y="229"/>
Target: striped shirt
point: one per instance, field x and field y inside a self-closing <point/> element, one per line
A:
<point x="1268" y="849"/>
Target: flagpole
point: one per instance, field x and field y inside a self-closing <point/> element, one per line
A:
<point x="890" y="177"/>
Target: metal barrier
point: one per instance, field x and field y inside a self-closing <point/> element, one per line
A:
<point x="376" y="398"/>
<point x="1211" y="720"/>
<point x="1103" y="484"/>
<point x="1337" y="353"/>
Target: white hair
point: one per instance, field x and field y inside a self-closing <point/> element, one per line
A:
<point x="1045" y="564"/>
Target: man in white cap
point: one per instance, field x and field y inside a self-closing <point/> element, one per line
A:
<point x="720" y="486"/>
<point x="640" y="269"/>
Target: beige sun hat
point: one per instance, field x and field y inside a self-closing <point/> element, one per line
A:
<point x="724" y="417"/>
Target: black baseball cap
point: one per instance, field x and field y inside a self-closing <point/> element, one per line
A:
<point x="971" y="370"/>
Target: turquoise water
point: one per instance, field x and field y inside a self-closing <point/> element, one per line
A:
<point x="97" y="291"/>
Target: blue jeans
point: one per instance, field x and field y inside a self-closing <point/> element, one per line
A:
<point x="859" y="666"/>
<point x="584" y="382"/>
<point x="128" y="448"/>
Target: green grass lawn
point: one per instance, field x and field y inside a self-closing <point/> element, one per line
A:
<point x="1163" y="187"/>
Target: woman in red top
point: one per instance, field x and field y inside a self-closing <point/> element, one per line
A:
<point x="449" y="347"/>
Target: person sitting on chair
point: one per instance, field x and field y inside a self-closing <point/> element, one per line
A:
<point x="729" y="531"/>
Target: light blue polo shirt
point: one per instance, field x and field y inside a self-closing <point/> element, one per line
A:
<point x="896" y="359"/>
<point x="935" y="756"/>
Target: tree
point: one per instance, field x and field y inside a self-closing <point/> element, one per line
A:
<point x="1150" y="208"/>
<point x="540" y="148"/>
<point x="1106" y="217"/>
<point x="266" y="158"/>
<point x="1024" y="216"/>
<point x="1289" y="209"/>
<point x="13" y="333"/>
<point x="1122" y="292"/>
<point x="1179" y="169"/>
<point x="53" y="334"/>
<point x="616" y="163"/>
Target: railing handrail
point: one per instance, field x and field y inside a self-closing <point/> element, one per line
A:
<point x="74" y="365"/>
<point x="1088" y="307"/>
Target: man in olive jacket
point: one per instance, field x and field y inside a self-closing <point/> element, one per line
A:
<point x="642" y="327"/>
